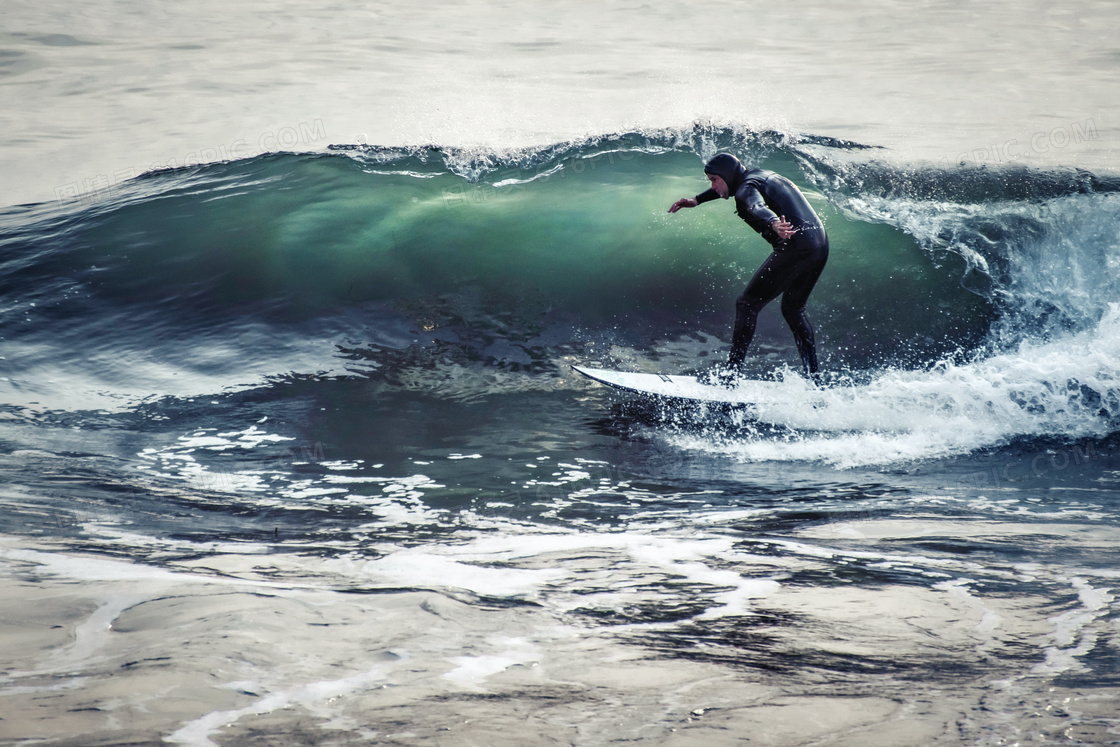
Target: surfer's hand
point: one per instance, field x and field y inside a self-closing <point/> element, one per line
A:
<point x="783" y="228"/>
<point x="683" y="202"/>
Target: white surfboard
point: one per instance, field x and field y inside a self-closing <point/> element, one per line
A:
<point x="745" y="392"/>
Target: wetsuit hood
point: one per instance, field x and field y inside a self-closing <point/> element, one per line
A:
<point x="728" y="168"/>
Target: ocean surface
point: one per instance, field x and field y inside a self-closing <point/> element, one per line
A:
<point x="291" y="451"/>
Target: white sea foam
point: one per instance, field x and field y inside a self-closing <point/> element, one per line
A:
<point x="1073" y="635"/>
<point x="489" y="566"/>
<point x="1068" y="386"/>
<point x="472" y="670"/>
<point x="198" y="733"/>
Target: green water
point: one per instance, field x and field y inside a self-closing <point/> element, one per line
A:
<point x="585" y="242"/>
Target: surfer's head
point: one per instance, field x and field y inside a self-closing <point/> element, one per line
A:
<point x="726" y="174"/>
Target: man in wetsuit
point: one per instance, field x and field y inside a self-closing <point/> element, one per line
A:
<point x="775" y="207"/>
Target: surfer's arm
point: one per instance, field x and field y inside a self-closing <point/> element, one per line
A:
<point x="691" y="202"/>
<point x="752" y="208"/>
<point x="750" y="200"/>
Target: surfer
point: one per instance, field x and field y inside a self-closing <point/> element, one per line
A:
<point x="772" y="205"/>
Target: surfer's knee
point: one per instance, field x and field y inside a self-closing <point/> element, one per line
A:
<point x="794" y="313"/>
<point x="749" y="304"/>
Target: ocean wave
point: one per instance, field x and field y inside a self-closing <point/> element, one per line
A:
<point x="436" y="264"/>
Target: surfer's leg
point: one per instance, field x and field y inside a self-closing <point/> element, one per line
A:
<point x="763" y="288"/>
<point x="746" y="316"/>
<point x="793" y="307"/>
<point x="803" y="337"/>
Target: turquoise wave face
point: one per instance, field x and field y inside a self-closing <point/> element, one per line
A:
<point x="519" y="257"/>
<point x="580" y="239"/>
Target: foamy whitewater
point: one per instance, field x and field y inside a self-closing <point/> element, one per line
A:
<point x="292" y="451"/>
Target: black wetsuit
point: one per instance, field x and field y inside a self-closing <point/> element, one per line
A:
<point x="794" y="266"/>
